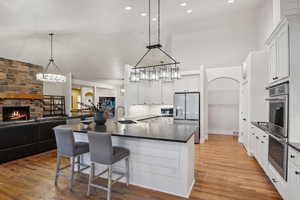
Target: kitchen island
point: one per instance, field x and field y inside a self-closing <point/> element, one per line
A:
<point x="162" y="153"/>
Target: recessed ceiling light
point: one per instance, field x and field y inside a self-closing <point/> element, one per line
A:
<point x="189" y="11"/>
<point x="128" y="8"/>
<point x="230" y="1"/>
<point x="183" y="4"/>
<point x="143" y="14"/>
<point x="154" y="19"/>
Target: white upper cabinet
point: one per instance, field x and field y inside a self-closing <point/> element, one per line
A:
<point x="149" y="93"/>
<point x="131" y="94"/>
<point x="143" y="92"/>
<point x="154" y="95"/>
<point x="272" y="62"/>
<point x="167" y="93"/>
<point x="279" y="53"/>
<point x="158" y="92"/>
<point x="283" y="53"/>
<point x="190" y="83"/>
<point x="244" y="71"/>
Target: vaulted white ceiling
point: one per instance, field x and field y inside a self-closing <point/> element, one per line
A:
<point x="95" y="38"/>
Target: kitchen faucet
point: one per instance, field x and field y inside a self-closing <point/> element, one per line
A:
<point x="117" y="111"/>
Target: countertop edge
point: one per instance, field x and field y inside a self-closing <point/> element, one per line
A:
<point x="146" y="138"/>
<point x="290" y="144"/>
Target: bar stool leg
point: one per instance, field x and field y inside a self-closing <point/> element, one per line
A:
<point x="109" y="182"/>
<point x="91" y="178"/>
<point x="78" y="163"/>
<point x="72" y="172"/>
<point x="127" y="170"/>
<point x="58" y="161"/>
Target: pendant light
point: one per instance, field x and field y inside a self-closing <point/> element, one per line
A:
<point x="165" y="71"/>
<point x="52" y="73"/>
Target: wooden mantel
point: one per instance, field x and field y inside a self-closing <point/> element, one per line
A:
<point x="21" y="96"/>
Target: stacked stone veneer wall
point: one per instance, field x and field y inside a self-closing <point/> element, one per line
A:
<point x="20" y="78"/>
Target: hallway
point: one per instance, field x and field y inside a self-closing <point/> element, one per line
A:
<point x="223" y="172"/>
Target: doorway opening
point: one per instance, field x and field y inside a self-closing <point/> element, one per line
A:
<point x="223" y="106"/>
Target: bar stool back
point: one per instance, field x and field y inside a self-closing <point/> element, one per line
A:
<point x="67" y="147"/>
<point x="104" y="153"/>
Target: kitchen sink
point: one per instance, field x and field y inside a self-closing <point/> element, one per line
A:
<point x="127" y="122"/>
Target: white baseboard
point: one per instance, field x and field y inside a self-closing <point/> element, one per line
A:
<point x="222" y="132"/>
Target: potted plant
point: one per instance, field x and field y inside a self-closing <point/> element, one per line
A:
<point x="100" y="112"/>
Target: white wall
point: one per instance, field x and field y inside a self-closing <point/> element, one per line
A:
<point x="103" y="92"/>
<point x="61" y="89"/>
<point x="86" y="99"/>
<point x="54" y="89"/>
<point x="230" y="72"/>
<point x="265" y="22"/>
<point x="101" y="89"/>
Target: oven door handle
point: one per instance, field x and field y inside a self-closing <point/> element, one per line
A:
<point x="275" y="99"/>
<point x="281" y="140"/>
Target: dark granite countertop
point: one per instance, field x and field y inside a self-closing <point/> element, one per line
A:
<point x="268" y="128"/>
<point x="32" y="121"/>
<point x="295" y="145"/>
<point x="162" y="129"/>
<point x="45" y="119"/>
<point x="262" y="126"/>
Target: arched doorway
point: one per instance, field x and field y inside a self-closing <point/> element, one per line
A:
<point x="223" y="106"/>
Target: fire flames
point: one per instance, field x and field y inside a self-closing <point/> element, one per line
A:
<point x="17" y="115"/>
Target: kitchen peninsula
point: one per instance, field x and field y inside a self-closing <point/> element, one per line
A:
<point x="162" y="153"/>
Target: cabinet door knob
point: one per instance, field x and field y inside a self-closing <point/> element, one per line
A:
<point x="292" y="156"/>
<point x="297" y="173"/>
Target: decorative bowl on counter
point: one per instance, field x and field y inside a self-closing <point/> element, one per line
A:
<point x="100" y="118"/>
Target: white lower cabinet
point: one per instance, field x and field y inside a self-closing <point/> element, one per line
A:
<point x="280" y="184"/>
<point x="259" y="144"/>
<point x="293" y="182"/>
<point x="293" y="175"/>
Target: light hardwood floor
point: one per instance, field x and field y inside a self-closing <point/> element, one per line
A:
<point x="223" y="172"/>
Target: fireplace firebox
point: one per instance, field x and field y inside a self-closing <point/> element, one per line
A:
<point x="16" y="113"/>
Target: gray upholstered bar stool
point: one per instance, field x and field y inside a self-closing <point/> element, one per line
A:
<point x="104" y="153"/>
<point x="67" y="147"/>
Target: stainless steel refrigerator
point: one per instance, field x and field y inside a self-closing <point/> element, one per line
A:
<point x="187" y="110"/>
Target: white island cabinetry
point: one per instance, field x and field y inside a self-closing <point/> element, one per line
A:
<point x="159" y="165"/>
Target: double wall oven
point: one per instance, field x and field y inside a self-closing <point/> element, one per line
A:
<point x="278" y="127"/>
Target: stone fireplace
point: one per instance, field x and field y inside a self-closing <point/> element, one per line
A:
<point x="19" y="87"/>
